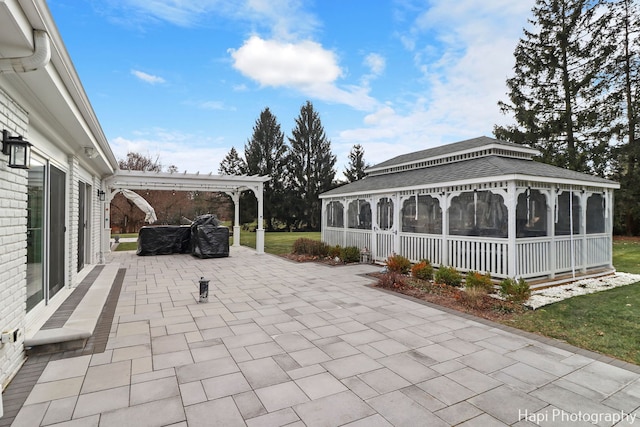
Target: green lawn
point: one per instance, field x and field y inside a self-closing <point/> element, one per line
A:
<point x="277" y="243"/>
<point x="606" y="322"/>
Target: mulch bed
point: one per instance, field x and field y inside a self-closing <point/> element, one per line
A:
<point x="483" y="306"/>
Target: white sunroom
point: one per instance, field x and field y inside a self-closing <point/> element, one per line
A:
<point x="477" y="205"/>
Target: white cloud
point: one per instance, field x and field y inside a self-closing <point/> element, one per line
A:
<point x="281" y="17"/>
<point x="148" y="78"/>
<point x="464" y="50"/>
<point x="191" y="153"/>
<point x="375" y="62"/>
<point x="305" y="66"/>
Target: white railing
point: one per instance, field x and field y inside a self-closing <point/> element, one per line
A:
<point x="564" y="261"/>
<point x="598" y="250"/>
<point x="347" y="237"/>
<point x="333" y="236"/>
<point x="358" y="238"/>
<point x="478" y="254"/>
<point x="533" y="257"/>
<point x="417" y="247"/>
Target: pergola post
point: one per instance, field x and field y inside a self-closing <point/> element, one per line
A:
<point x="235" y="197"/>
<point x="260" y="230"/>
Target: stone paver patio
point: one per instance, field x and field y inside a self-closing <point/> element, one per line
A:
<point x="281" y="343"/>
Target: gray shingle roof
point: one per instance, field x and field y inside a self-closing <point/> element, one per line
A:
<point x="490" y="166"/>
<point x="442" y="150"/>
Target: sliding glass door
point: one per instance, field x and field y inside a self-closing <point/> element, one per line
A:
<point x="45" y="232"/>
<point x="35" y="233"/>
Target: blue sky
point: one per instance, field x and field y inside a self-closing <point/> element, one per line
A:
<point x="185" y="80"/>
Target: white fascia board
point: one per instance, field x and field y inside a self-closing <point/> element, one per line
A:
<point x="503" y="178"/>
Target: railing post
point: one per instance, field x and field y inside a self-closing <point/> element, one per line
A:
<point x="512" y="242"/>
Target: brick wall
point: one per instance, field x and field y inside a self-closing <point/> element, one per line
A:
<point x="13" y="242"/>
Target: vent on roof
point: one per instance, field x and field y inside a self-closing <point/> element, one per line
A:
<point x="453" y="158"/>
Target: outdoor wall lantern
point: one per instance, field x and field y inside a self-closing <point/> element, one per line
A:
<point x="101" y="195"/>
<point x="18" y="149"/>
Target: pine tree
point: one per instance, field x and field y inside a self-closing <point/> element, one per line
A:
<point x="355" y="169"/>
<point x="558" y="93"/>
<point x="625" y="69"/>
<point x="311" y="166"/>
<point x="232" y="164"/>
<point x="266" y="155"/>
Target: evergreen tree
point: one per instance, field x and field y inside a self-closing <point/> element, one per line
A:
<point x="355" y="169"/>
<point x="311" y="166"/>
<point x="266" y="155"/>
<point x="625" y="69"/>
<point x="232" y="164"/>
<point x="558" y="93"/>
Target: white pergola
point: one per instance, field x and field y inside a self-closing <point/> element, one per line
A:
<point x="229" y="184"/>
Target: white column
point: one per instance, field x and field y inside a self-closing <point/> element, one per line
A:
<point x="551" y="230"/>
<point x="373" y="201"/>
<point x="583" y="229"/>
<point x="260" y="230"/>
<point x="235" y="197"/>
<point x="512" y="242"/>
<point x="444" y="206"/>
<point x="345" y="220"/>
<point x="396" y="223"/>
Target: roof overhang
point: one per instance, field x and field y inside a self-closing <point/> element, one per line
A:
<point x="513" y="177"/>
<point x="148" y="180"/>
<point x="53" y="95"/>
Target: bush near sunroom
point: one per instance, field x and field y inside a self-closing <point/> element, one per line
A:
<point x="350" y="254"/>
<point x="391" y="280"/>
<point x="334" y="251"/>
<point x="449" y="276"/>
<point x="304" y="246"/>
<point x="475" y="280"/>
<point x="398" y="264"/>
<point x="422" y="270"/>
<point x="517" y="291"/>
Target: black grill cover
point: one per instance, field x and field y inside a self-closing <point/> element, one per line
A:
<point x="164" y="240"/>
<point x="209" y="241"/>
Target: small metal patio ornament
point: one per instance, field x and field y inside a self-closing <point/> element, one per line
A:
<point x="204" y="290"/>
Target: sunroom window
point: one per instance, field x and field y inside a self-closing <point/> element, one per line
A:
<point x="425" y="216"/>
<point x="335" y="214"/>
<point x="359" y="214"/>
<point x="567" y="214"/>
<point x="531" y="214"/>
<point x="595" y="214"/>
<point x="478" y="213"/>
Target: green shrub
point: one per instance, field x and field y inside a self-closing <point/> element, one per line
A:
<point x="334" y="251"/>
<point x="304" y="246"/>
<point x="398" y="264"/>
<point x="449" y="276"/>
<point x="517" y="291"/>
<point x="350" y="254"/>
<point x="475" y="280"/>
<point x="422" y="270"/>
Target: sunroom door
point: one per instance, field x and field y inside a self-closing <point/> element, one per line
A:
<point x="384" y="229"/>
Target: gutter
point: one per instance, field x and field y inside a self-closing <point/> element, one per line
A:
<point x="40" y="57"/>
